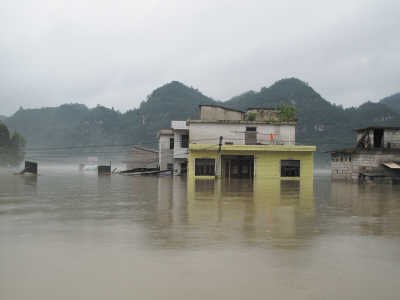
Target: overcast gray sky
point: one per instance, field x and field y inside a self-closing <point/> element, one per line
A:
<point x="116" y="52"/>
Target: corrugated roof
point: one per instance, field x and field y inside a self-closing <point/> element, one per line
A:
<point x="392" y="165"/>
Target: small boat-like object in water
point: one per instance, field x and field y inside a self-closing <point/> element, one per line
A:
<point x="145" y="172"/>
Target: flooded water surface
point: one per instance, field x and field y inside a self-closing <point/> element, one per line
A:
<point x="65" y="235"/>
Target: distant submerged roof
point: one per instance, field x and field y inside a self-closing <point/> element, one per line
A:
<point x="223" y="107"/>
<point x="263" y="108"/>
<point x="377" y="127"/>
<point x="143" y="149"/>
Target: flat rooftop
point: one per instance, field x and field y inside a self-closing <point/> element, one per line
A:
<point x="253" y="148"/>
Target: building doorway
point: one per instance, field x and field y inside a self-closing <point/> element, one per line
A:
<point x="237" y="166"/>
<point x="378" y="138"/>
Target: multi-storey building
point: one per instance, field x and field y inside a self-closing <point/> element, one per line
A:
<point x="231" y="143"/>
<point x="173" y="147"/>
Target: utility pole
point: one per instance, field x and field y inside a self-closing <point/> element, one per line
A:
<point x="218" y="162"/>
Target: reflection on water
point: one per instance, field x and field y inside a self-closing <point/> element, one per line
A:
<point x="253" y="212"/>
<point x="147" y="237"/>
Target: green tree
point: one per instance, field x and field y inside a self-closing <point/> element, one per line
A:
<point x="4" y="135"/>
<point x="12" y="150"/>
<point x="17" y="149"/>
<point x="287" y="112"/>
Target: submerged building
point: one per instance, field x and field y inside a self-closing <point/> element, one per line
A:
<point x="228" y="143"/>
<point x="141" y="157"/>
<point x="173" y="146"/>
<point x="375" y="156"/>
<point x="231" y="143"/>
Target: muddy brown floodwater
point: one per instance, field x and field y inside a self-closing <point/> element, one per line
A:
<point x="65" y="235"/>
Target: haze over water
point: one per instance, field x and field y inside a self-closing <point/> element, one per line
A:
<point x="65" y="235"/>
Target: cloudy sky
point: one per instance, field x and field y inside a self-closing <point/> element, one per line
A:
<point x="116" y="52"/>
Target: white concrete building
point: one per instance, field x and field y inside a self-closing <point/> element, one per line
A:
<point x="181" y="145"/>
<point x="173" y="147"/>
<point x="166" y="149"/>
<point x="256" y="126"/>
<point x="236" y="128"/>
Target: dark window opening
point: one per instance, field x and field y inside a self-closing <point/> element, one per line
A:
<point x="170" y="166"/>
<point x="204" y="167"/>
<point x="183" y="168"/>
<point x="171" y="143"/>
<point x="184" y="141"/>
<point x="250" y="137"/>
<point x="378" y="138"/>
<point x="239" y="166"/>
<point x="290" y="168"/>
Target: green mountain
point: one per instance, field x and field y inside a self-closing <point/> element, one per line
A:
<point x="319" y="122"/>
<point x="392" y="102"/>
<point x="77" y="125"/>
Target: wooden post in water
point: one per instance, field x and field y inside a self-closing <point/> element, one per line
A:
<point x="104" y="170"/>
<point x="30" y="167"/>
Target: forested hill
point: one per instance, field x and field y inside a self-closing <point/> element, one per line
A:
<point x="319" y="121"/>
<point x="393" y="102"/>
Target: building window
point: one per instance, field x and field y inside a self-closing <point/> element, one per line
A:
<point x="250" y="137"/>
<point x="204" y="167"/>
<point x="290" y="168"/>
<point x="184" y="141"/>
<point x="170" y="166"/>
<point x="171" y="143"/>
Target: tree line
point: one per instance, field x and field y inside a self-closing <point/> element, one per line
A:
<point x="12" y="147"/>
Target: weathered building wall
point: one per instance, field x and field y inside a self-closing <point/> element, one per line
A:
<point x="350" y="166"/>
<point x="391" y="138"/>
<point x="215" y="113"/>
<point x="209" y="133"/>
<point x="371" y="162"/>
<point x="342" y="166"/>
<point x="165" y="154"/>
<point x="141" y="158"/>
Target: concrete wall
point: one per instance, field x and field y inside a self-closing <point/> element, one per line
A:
<point x="393" y="137"/>
<point x="165" y="154"/>
<point x="361" y="162"/>
<point x="342" y="166"/>
<point x="140" y="158"/>
<point x="209" y="133"/>
<point x="180" y="152"/>
<point x="213" y="113"/>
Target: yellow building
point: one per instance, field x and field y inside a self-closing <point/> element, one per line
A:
<point x="257" y="162"/>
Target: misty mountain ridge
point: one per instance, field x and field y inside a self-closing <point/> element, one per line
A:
<point x="393" y="102"/>
<point x="319" y="122"/>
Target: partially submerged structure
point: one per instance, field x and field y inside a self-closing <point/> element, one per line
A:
<point x="141" y="157"/>
<point x="375" y="157"/>
<point x="173" y="146"/>
<point x="230" y="143"/>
